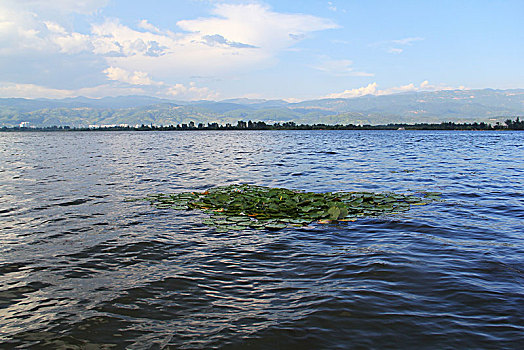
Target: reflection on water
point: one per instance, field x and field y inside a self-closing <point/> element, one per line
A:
<point x="80" y="266"/>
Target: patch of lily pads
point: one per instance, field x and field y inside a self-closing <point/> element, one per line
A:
<point x="240" y="207"/>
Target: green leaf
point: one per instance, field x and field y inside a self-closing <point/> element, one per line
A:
<point x="237" y="218"/>
<point x="334" y="213"/>
<point x="275" y="226"/>
<point x="275" y="208"/>
<point x="180" y="207"/>
<point x="244" y="223"/>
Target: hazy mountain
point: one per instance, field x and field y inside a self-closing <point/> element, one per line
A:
<point x="453" y="105"/>
<point x="110" y="102"/>
<point x="449" y="103"/>
<point x="258" y="103"/>
<point x="26" y="105"/>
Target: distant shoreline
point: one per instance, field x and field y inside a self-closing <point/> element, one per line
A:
<point x="516" y="124"/>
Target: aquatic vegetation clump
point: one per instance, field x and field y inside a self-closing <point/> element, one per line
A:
<point x="238" y="207"/>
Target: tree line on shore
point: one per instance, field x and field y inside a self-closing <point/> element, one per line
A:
<point x="509" y="124"/>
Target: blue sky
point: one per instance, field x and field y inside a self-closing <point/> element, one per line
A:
<point x="294" y="50"/>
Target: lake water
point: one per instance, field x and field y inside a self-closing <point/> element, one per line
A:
<point x="81" y="267"/>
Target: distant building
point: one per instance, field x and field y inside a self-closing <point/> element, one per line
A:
<point x="108" y="126"/>
<point x="24" y="124"/>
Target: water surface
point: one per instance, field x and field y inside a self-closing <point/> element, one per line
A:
<point x="81" y="267"/>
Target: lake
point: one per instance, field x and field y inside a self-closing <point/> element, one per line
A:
<point x="83" y="267"/>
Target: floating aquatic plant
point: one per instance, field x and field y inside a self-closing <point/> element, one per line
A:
<point x="238" y="207"/>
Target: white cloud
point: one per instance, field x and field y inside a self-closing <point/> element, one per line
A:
<point x="257" y="25"/>
<point x="18" y="31"/>
<point x="134" y="78"/>
<point x="36" y="91"/>
<point x="179" y="91"/>
<point x="187" y="92"/>
<point x="372" y="89"/>
<point x="395" y="50"/>
<point x="73" y="43"/>
<point x="191" y="92"/>
<point x="340" y="68"/>
<point x="396" y="46"/>
<point x="237" y="26"/>
<point x="114" y="39"/>
<point x="234" y="38"/>
<point x="332" y="7"/>
<point x="69" y="43"/>
<point x="399" y="89"/>
<point x="144" y="24"/>
<point x="60" y="6"/>
<point x="406" y="41"/>
<point x="54" y="27"/>
<point x="26" y="31"/>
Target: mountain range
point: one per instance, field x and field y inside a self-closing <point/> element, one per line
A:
<point x="485" y="105"/>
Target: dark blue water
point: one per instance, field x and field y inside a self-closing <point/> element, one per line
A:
<point x="82" y="268"/>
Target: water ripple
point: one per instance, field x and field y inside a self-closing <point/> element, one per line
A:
<point x="81" y="267"/>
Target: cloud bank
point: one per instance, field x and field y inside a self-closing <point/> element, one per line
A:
<point x="372" y="89"/>
<point x="111" y="56"/>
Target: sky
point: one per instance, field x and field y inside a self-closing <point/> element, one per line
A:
<point x="292" y="50"/>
